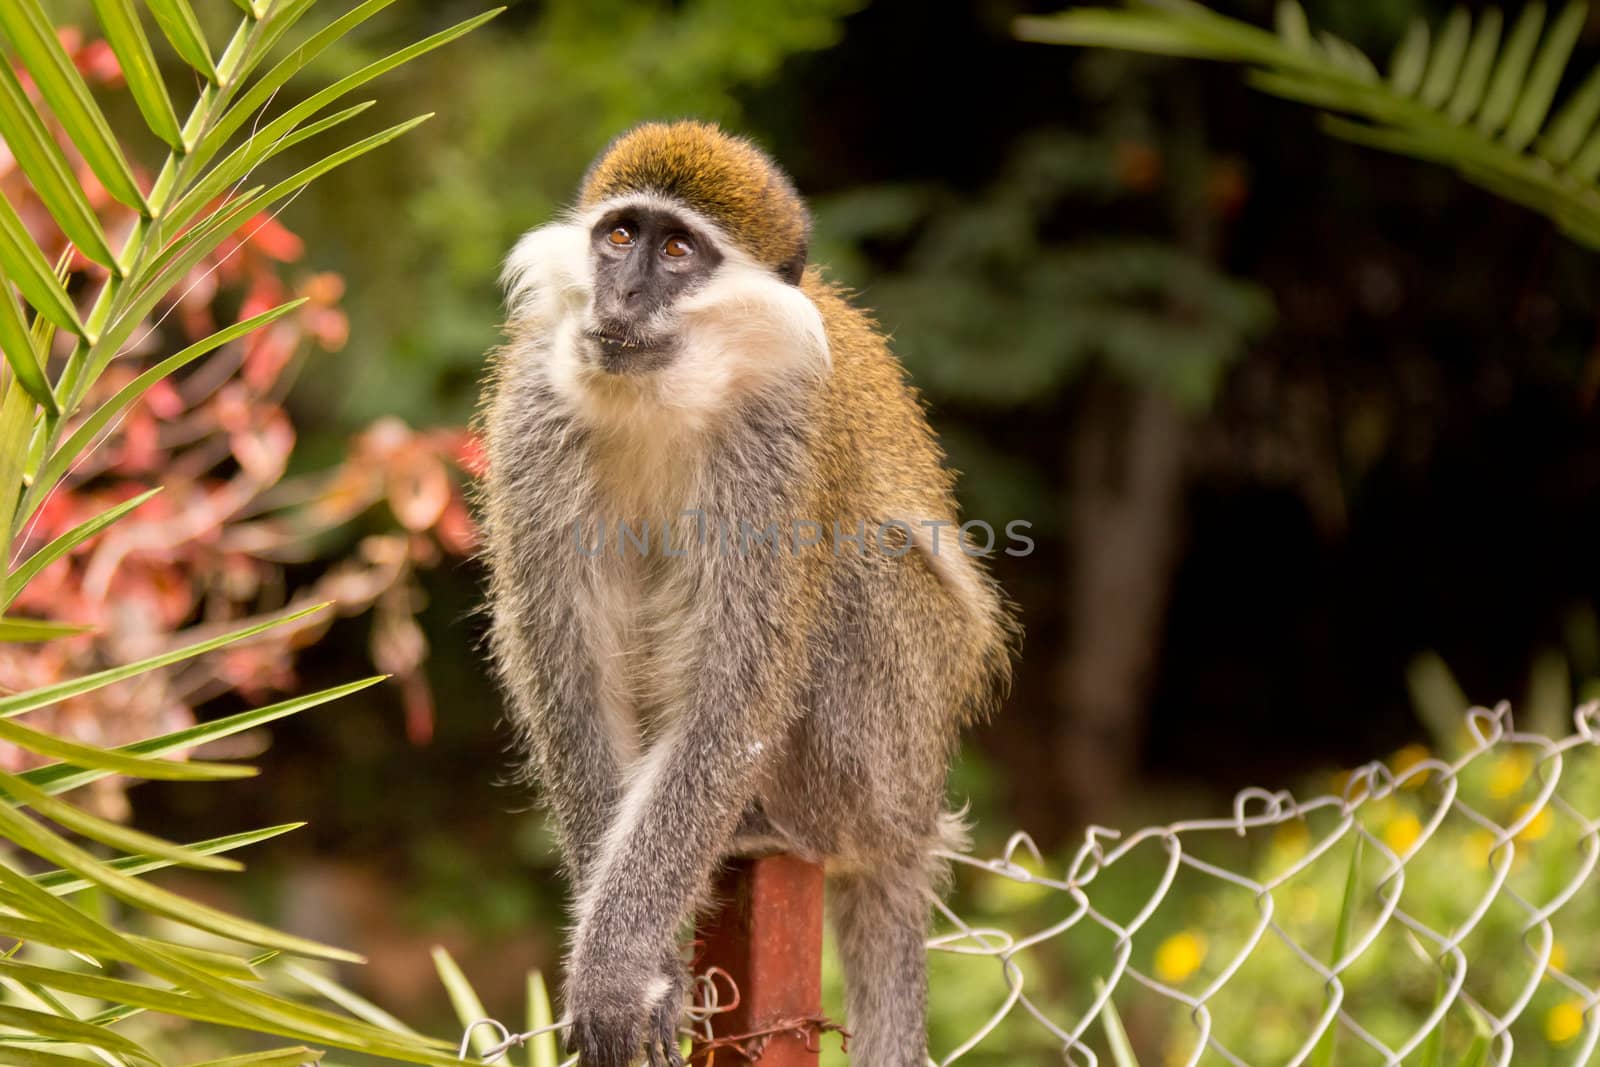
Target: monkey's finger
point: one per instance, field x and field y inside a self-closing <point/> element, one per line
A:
<point x="666" y="1038"/>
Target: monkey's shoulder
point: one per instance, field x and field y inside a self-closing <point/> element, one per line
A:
<point x="875" y="437"/>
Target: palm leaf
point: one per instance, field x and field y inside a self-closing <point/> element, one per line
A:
<point x="26" y="266"/>
<point x="20" y="352"/>
<point x="24" y="23"/>
<point x="1463" y="97"/>
<point x="12" y="584"/>
<point x="188" y="210"/>
<point x="63" y="883"/>
<point x="19" y="630"/>
<point x="41" y="160"/>
<point x="177" y="21"/>
<point x="60" y="777"/>
<point x="132" y="48"/>
<point x="45" y="695"/>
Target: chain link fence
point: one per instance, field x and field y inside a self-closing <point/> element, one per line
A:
<point x="1434" y="909"/>
<point x="1463" y="923"/>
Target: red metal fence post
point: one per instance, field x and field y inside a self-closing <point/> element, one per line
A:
<point x="767" y="934"/>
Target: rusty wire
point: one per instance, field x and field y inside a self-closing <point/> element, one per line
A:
<point x="1257" y="810"/>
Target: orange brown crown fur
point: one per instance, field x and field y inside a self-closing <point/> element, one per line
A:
<point x="725" y="178"/>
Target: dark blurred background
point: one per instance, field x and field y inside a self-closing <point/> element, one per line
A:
<point x="1303" y="432"/>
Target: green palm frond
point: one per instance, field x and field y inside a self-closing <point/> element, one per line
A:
<point x="1472" y="95"/>
<point x="52" y="850"/>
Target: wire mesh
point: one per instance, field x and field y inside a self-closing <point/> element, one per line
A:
<point x="1487" y="938"/>
<point x="1462" y="881"/>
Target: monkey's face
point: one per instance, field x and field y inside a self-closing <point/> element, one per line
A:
<point x="645" y="259"/>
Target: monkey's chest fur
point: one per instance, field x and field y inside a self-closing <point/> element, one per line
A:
<point x="618" y="591"/>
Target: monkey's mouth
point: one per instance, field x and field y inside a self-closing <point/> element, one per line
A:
<point x="622" y="350"/>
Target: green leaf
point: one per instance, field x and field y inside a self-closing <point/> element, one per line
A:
<point x="106" y="832"/>
<point x="1290" y="19"/>
<point x="178" y="23"/>
<point x="58" y="778"/>
<point x="1534" y="103"/>
<point x="114" y="761"/>
<point x="64" y="883"/>
<point x="1477" y="1053"/>
<point x="542" y="1050"/>
<point x="44" y="696"/>
<point x="1475" y="71"/>
<point x="38" y="1022"/>
<point x="1586" y="167"/>
<point x="35" y="40"/>
<point x="266" y="87"/>
<point x="323" y="97"/>
<point x="1515" y="93"/>
<point x="235" y="1004"/>
<point x="1511" y="71"/>
<point x="1445" y="64"/>
<point x="16" y="631"/>
<point x="1432" y="1052"/>
<point x="126" y="37"/>
<point x="27" y="834"/>
<point x="20" y="353"/>
<point x="283" y="1057"/>
<point x="1410" y="59"/>
<point x="339" y="158"/>
<point x="1116" y="1037"/>
<point x="1573" y="122"/>
<point x="242" y="162"/>
<point x="51" y="178"/>
<point x="1348" y="57"/>
<point x="30" y="1057"/>
<point x="25" y="265"/>
<point x="16" y="421"/>
<point x="463" y="998"/>
<point x="358" y="1006"/>
<point x="75" y="940"/>
<point x="18" y="579"/>
<point x="1322" y="1054"/>
<point x="161" y="275"/>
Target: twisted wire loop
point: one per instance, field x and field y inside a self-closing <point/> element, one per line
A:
<point x="1442" y="944"/>
<point x="711" y="993"/>
<point x="1385" y="910"/>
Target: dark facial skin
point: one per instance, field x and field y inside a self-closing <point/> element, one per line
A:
<point x="644" y="259"/>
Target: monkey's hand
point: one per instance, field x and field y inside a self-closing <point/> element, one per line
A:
<point x="619" y="1011"/>
<point x="661" y="1042"/>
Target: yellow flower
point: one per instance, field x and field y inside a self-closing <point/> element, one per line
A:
<point x="1292" y="839"/>
<point x="1402" y="833"/>
<point x="1558" y="956"/>
<point x="1402" y="762"/>
<point x="1508" y="773"/>
<point x="1564" y="1022"/>
<point x="1476" y="848"/>
<point x="1537" y="827"/>
<point x="1180" y="956"/>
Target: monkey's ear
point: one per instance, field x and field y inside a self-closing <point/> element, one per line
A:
<point x="791" y="269"/>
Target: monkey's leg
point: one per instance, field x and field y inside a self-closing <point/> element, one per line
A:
<point x="880" y="920"/>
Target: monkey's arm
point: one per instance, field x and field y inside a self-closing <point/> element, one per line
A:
<point x="682" y="803"/>
<point x="551" y="676"/>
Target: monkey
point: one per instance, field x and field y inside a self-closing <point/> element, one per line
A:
<point x="780" y="648"/>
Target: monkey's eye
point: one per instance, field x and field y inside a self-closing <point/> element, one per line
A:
<point x="678" y="247"/>
<point x="620" y="236"/>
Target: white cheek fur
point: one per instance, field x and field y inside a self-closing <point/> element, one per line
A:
<point x="741" y="333"/>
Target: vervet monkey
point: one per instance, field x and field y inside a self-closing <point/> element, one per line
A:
<point x="780" y="632"/>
